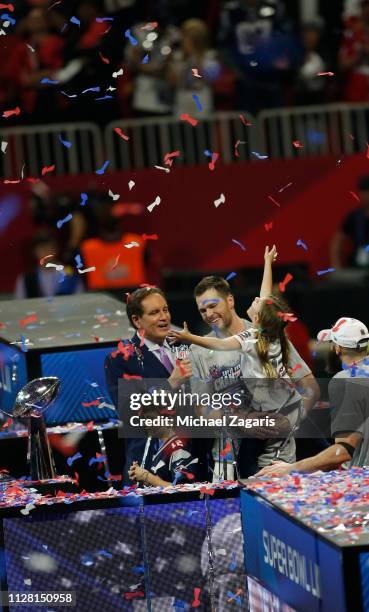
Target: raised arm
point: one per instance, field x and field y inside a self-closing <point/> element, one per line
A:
<point x="267" y="282"/>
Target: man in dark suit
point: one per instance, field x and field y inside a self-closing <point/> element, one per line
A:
<point x="146" y="355"/>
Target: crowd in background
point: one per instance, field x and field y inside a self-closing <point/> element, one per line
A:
<point x="99" y="60"/>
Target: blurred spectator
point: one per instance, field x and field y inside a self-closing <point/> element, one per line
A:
<point x="32" y="60"/>
<point x="148" y="62"/>
<point x="116" y="266"/>
<point x="193" y="53"/>
<point x="311" y="89"/>
<point x="42" y="281"/>
<point x="354" y="56"/>
<point x="257" y="44"/>
<point x="355" y="229"/>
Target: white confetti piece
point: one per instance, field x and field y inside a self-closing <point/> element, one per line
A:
<point x="195" y="73"/>
<point x="162" y="168"/>
<point x="114" y="196"/>
<point x="151" y="207"/>
<point x="221" y="552"/>
<point x="92" y="269"/>
<point x="131" y="184"/>
<point x="27" y="581"/>
<point x="220" y="200"/>
<point x="130" y="245"/>
<point x="115" y="75"/>
<point x="58" y="267"/>
<point x="31" y="48"/>
<point x="4" y="144"/>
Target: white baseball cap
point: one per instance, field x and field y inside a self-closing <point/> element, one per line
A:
<point x="346" y="332"/>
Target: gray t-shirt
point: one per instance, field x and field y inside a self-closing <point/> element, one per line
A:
<point x="349" y="401"/>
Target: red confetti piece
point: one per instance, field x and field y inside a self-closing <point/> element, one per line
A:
<point x="5" y="425"/>
<point x="168" y="157"/>
<point x="214" y="158"/>
<point x="150" y="26"/>
<point x="325" y="74"/>
<point x="141" y="333"/>
<point x="9" y="113"/>
<point x="129" y="377"/>
<point x="8" y="182"/>
<point x="115" y="263"/>
<point x="236" y="153"/>
<point x="196" y="600"/>
<point x="354" y="195"/>
<point x="287" y="316"/>
<point x="268" y="226"/>
<point x="90" y="426"/>
<point x="95" y="402"/>
<point x="133" y="594"/>
<point x="27" y="320"/>
<point x="104" y="59"/>
<point x="187" y="474"/>
<point x="190" y="120"/>
<point x="296" y="367"/>
<point x="297" y="144"/>
<point x="121" y="134"/>
<point x="208" y="491"/>
<point x="125" y="349"/>
<point x="274" y="201"/>
<point x="181" y="367"/>
<point x="10" y="7"/>
<point x="287" y="279"/>
<point x="47" y="169"/>
<point x="42" y="260"/>
<point x="150" y="237"/>
<point x="245" y="121"/>
<point x="227" y="449"/>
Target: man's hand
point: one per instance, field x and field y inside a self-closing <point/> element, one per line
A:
<point x="181" y="373"/>
<point x="270" y="256"/>
<point x="137" y="473"/>
<point x="276" y="468"/>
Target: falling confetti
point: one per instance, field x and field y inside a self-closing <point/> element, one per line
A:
<point x="157" y="201"/>
<point x="286" y="280"/>
<point x="118" y="131"/>
<point x="131" y="38"/>
<point x="231" y="275"/>
<point x="61" y="222"/>
<point x="9" y="113"/>
<point x="66" y="143"/>
<point x="321" y="272"/>
<point x="84" y="198"/>
<point x="131" y="184"/>
<point x="195" y="73"/>
<point x="302" y="244"/>
<point x="92" y="269"/>
<point x="239" y="244"/>
<point x="47" y="169"/>
<point x="190" y="120"/>
<point x="103" y="168"/>
<point x="197" y="102"/>
<point x="273" y="200"/>
<point x="220" y="200"/>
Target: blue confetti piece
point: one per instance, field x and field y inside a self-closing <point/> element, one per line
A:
<point x="104" y="553"/>
<point x="259" y="155"/>
<point x="62" y="276"/>
<point x="87" y="560"/>
<point x="233" y="564"/>
<point x="179" y="604"/>
<point x="7" y="17"/>
<point x="93" y="460"/>
<point x="102" y="19"/>
<point x="208" y="153"/>
<point x="74" y="458"/>
<point x="139" y="569"/>
<point x="146" y="59"/>
<point x="103" y="168"/>
<point x="23" y="344"/>
<point x="104" y="98"/>
<point x="66" y="143"/>
<point x="197" y="102"/>
<point x="131" y="38"/>
<point x="48" y="82"/>
<point x="301" y="244"/>
<point x="63" y="28"/>
<point x="75" y="21"/>
<point x="239" y="244"/>
<point x="78" y="261"/>
<point x="231" y="275"/>
<point x="321" y="272"/>
<point x="94" y="89"/>
<point x="65" y="220"/>
<point x="84" y="198"/>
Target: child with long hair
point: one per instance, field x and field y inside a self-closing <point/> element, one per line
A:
<point x="264" y="366"/>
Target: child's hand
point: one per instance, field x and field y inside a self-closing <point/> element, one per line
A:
<point x="270" y="256"/>
<point x="184" y="335"/>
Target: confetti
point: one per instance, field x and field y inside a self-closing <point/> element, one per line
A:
<point x="98" y="459"/>
<point x="297" y="144"/>
<point x="114" y="196"/>
<point x="286" y="316"/>
<point x="274" y="201"/>
<point x="195" y="73"/>
<point x="131" y="184"/>
<point x="259" y="155"/>
<point x="227" y="449"/>
<point x="92" y="269"/>
<point x="296" y="367"/>
<point x="120" y="133"/>
<point x="214" y="158"/>
<point x="285" y="187"/>
<point x="145" y="60"/>
<point x="66" y="143"/>
<point x="118" y="73"/>
<point x="325" y="74"/>
<point x="95" y="402"/>
<point x="47" y="81"/>
<point x="150" y="237"/>
<point x="239" y="244"/>
<point x="321" y="272"/>
<point x="76" y="21"/>
<point x="84" y="198"/>
<point x="102" y="19"/>
<point x="197" y="102"/>
<point x="115" y="264"/>
<point x="245" y="121"/>
<point x="78" y="261"/>
<point x="354" y="195"/>
<point x="61" y="222"/>
<point x="231" y="275"/>
<point x="23" y="344"/>
<point x="196" y="600"/>
<point x="268" y="226"/>
<point x="220" y="200"/>
<point x="104" y="59"/>
<point x="10" y="7"/>
<point x="141" y="333"/>
<point x="71" y="460"/>
<point x="161" y="168"/>
<point x="233" y="565"/>
<point x="150" y="26"/>
<point x="47" y="169"/>
<point x="286" y="280"/>
<point x="103" y="168"/>
<point x="157" y="201"/>
<point x="130" y="245"/>
<point x="168" y="157"/>
<point x="131" y="38"/>
<point x="93" y="89"/>
<point x="301" y="244"/>
<point x="9" y="113"/>
<point x="237" y="144"/>
<point x="4" y="145"/>
<point x="27" y="320"/>
<point x="58" y="267"/>
<point x="190" y="120"/>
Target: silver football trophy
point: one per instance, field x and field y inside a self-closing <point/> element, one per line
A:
<point x="31" y="403"/>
